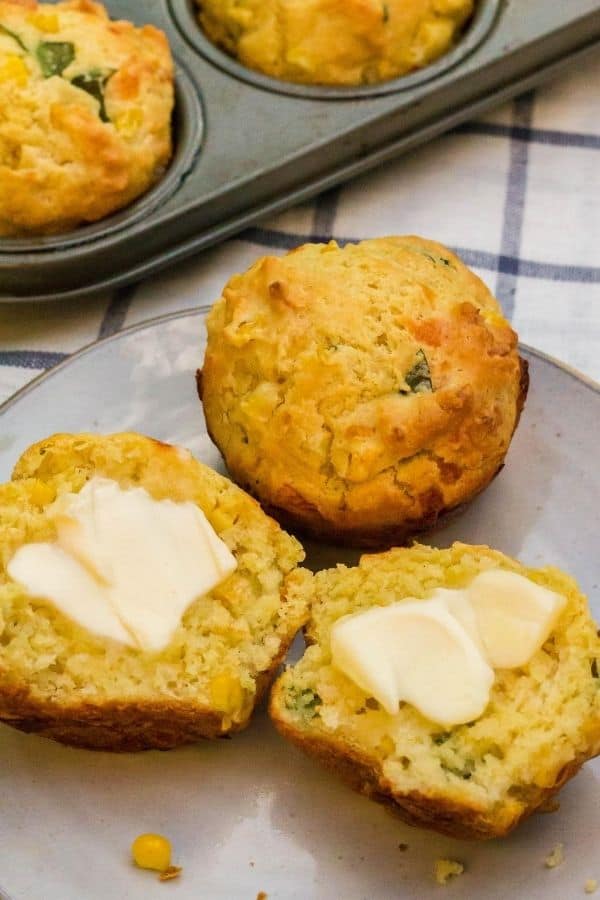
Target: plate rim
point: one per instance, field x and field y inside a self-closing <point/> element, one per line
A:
<point x="581" y="377"/>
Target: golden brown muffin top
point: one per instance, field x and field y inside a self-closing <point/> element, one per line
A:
<point x="349" y="383"/>
<point x="345" y="42"/>
<point x="85" y="122"/>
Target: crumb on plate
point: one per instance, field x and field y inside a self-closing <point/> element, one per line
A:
<point x="555" y="857"/>
<point x="445" y="869"/>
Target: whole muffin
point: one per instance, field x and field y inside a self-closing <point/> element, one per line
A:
<point x="344" y="42"/>
<point x="360" y="392"/>
<point x="86" y="114"/>
<point x="478" y="779"/>
<point x="64" y="680"/>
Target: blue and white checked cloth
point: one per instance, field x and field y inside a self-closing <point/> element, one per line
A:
<point x="516" y="194"/>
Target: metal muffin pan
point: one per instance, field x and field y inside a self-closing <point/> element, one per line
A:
<point x="248" y="146"/>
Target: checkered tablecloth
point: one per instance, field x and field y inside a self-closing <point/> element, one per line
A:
<point x="516" y="194"/>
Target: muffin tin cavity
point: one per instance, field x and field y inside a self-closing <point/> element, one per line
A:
<point x="185" y="14"/>
<point x="188" y="135"/>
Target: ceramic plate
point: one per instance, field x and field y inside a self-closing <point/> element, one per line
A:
<point x="252" y="814"/>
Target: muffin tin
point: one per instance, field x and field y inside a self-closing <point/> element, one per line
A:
<point x="247" y="145"/>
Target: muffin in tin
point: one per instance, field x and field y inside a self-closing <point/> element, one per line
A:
<point x="334" y="42"/>
<point x="86" y="114"/>
<point x="360" y="392"/>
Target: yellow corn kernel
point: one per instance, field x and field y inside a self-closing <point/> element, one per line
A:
<point x="129" y="122"/>
<point x="13" y="68"/>
<point x="434" y="37"/>
<point x="226" y="693"/>
<point x="44" y="21"/>
<point x="221" y="520"/>
<point x="151" y="851"/>
<point x="42" y="493"/>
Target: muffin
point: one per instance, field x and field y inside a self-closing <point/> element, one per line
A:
<point x="360" y="392"/>
<point x="335" y="42"/>
<point x="86" y="114"/>
<point x="477" y="779"/>
<point x="73" y="683"/>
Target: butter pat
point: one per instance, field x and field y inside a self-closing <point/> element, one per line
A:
<point x="514" y="616"/>
<point x="416" y="652"/>
<point x="439" y="654"/>
<point x="124" y="565"/>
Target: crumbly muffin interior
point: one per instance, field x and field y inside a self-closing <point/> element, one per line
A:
<point x="226" y="637"/>
<point x="539" y="718"/>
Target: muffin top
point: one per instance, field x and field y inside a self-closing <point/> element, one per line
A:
<point x="86" y="114"/>
<point x="361" y="390"/>
<point x="344" y="42"/>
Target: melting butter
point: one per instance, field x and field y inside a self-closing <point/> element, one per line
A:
<point x="124" y="566"/>
<point x="439" y="654"/>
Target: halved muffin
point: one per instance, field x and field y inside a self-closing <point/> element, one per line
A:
<point x="475" y="779"/>
<point x="65" y="681"/>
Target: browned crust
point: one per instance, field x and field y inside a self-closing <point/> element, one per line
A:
<point x="129" y="724"/>
<point x="433" y="811"/>
<point x="307" y="520"/>
<point x="122" y="726"/>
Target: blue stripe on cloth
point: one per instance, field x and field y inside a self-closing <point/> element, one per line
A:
<point x="514" y="206"/>
<point x="116" y="311"/>
<point x="31" y="359"/>
<point x="479" y="259"/>
<point x="532" y="135"/>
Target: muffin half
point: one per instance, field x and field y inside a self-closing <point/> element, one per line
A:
<point x="361" y="392"/>
<point x="475" y="779"/>
<point x="76" y="684"/>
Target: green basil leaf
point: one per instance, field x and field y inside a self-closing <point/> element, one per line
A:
<point x="418" y="378"/>
<point x="15" y="37"/>
<point x="54" y="57"/>
<point x="93" y="83"/>
<point x="306" y="702"/>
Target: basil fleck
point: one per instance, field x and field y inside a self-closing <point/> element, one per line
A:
<point x="465" y="772"/>
<point x="385" y="13"/>
<point x="441" y="737"/>
<point x="306" y="702"/>
<point x="15" y="37"/>
<point x="54" y="57"/>
<point x="418" y="378"/>
<point x="93" y="83"/>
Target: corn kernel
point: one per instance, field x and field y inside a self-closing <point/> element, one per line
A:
<point x="151" y="851"/>
<point x="13" y="68"/>
<point x="129" y="122"/>
<point x="226" y="693"/>
<point x="42" y="494"/>
<point x="434" y="36"/>
<point x="44" y="21"/>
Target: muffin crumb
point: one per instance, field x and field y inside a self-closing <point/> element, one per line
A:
<point x="555" y="857"/>
<point x="445" y="869"/>
<point x="590" y="886"/>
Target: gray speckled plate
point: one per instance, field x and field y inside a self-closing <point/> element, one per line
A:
<point x="252" y="813"/>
